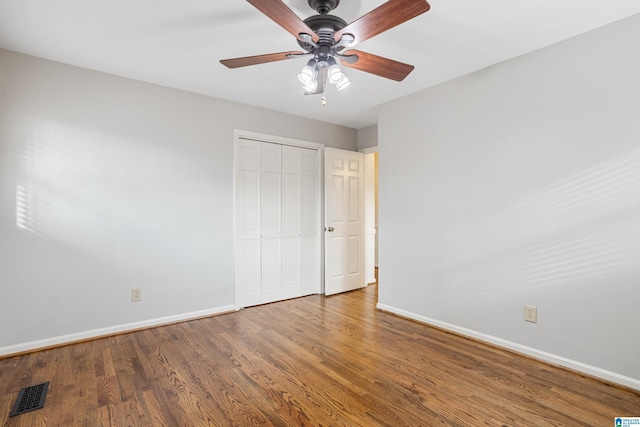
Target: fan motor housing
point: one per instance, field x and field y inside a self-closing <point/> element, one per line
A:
<point x="325" y="26"/>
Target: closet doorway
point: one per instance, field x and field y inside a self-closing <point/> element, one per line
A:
<point x="278" y="214"/>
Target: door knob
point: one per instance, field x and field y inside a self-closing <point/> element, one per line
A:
<point x="329" y="229"/>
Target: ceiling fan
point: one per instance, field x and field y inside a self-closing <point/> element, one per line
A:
<point x="326" y="37"/>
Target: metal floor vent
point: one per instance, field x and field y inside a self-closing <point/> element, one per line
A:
<point x="30" y="398"/>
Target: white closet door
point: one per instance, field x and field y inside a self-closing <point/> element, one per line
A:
<point x="248" y="240"/>
<point x="278" y="246"/>
<point x="291" y="236"/>
<point x="271" y="218"/>
<point x="310" y="246"/>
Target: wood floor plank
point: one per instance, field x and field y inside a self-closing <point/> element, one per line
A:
<point x="312" y="361"/>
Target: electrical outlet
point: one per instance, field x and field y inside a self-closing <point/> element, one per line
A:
<point x="531" y="313"/>
<point x="136" y="294"/>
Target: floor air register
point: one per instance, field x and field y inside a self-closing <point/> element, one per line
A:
<point x="30" y="398"/>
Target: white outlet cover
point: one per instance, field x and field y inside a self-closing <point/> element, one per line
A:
<point x="531" y="313"/>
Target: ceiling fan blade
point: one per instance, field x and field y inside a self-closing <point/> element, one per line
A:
<point x="285" y="17"/>
<point x="383" y="18"/>
<point x="378" y="65"/>
<point x="259" y="59"/>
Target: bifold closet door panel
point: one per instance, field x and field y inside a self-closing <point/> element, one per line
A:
<point x="310" y="209"/>
<point x="248" y="239"/>
<point x="271" y="222"/>
<point x="291" y="236"/>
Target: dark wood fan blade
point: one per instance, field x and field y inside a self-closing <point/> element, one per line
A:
<point x="383" y="18"/>
<point x="283" y="16"/>
<point x="258" y="59"/>
<point x="378" y="65"/>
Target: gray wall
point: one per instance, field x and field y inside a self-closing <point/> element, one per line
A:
<point x="368" y="137"/>
<point x="520" y="184"/>
<point x="108" y="184"/>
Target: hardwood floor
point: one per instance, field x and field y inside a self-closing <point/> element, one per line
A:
<point x="312" y="361"/>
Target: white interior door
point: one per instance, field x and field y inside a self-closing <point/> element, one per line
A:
<point x="344" y="220"/>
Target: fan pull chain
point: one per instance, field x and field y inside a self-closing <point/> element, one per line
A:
<point x="324" y="101"/>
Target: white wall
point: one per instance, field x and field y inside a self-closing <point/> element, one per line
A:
<point x="520" y="184"/>
<point x="368" y="137"/>
<point x="108" y="184"/>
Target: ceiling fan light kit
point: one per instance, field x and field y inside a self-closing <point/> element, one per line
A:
<point x="326" y="37"/>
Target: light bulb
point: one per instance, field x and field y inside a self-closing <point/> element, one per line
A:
<point x="335" y="74"/>
<point x="311" y="86"/>
<point x="308" y="73"/>
<point x="343" y="83"/>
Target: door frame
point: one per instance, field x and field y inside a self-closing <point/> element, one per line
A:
<point x="371" y="249"/>
<point x="261" y="137"/>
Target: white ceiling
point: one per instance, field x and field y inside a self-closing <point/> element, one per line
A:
<point x="179" y="44"/>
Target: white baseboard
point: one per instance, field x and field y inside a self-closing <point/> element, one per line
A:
<point x="529" y="351"/>
<point x="113" y="330"/>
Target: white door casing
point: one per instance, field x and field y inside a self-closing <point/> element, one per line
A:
<point x="344" y="220"/>
<point x="370" y="217"/>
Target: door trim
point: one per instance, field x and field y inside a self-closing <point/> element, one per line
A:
<point x="263" y="137"/>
